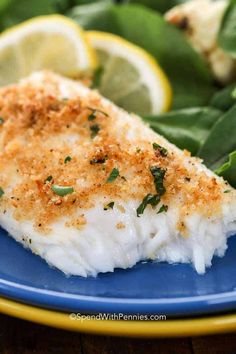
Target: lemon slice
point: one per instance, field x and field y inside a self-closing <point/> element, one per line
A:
<point x="48" y="42"/>
<point x="130" y="76"/>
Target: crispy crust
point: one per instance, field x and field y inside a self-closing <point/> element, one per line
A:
<point x="41" y="129"/>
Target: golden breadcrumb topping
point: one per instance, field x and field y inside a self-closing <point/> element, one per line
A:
<point x="60" y="155"/>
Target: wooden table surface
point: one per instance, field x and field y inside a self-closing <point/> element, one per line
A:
<point x="22" y="337"/>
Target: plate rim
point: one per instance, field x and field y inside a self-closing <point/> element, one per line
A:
<point x="183" y="306"/>
<point x="146" y="329"/>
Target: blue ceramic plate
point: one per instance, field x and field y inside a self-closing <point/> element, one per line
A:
<point x="152" y="288"/>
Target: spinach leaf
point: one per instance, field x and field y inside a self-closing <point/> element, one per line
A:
<point x="92" y="16"/>
<point x="16" y="11"/>
<point x="86" y="2"/>
<point x="61" y="6"/>
<point x="221" y="140"/>
<point x="4" y="4"/>
<point x="189" y="76"/>
<point x="224" y="98"/>
<point x="228" y="169"/>
<point x="186" y="128"/>
<point x="158" y="5"/>
<point x="227" y="33"/>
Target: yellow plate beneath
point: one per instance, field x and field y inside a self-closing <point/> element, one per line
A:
<point x="169" y="328"/>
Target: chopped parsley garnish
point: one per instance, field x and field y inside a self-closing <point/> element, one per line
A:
<point x="48" y="179"/>
<point x="94" y="130"/>
<point x="62" y="190"/>
<point x="113" y="175"/>
<point x="158" y="175"/>
<point x="92" y="115"/>
<point x="95" y="160"/>
<point x="109" y="206"/>
<point x="162" y="209"/>
<point x="163" y="151"/>
<point x="1" y="121"/>
<point x="149" y="199"/>
<point x="1" y="192"/>
<point x="67" y="159"/>
<point x="94" y="112"/>
<point x="227" y="191"/>
<point x="105" y="114"/>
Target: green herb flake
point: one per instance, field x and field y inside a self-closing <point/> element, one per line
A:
<point x="149" y="199"/>
<point x="109" y="206"/>
<point x="94" y="112"/>
<point x="227" y="191"/>
<point x="163" y="151"/>
<point x="113" y="175"/>
<point x="1" y="121"/>
<point x="62" y="190"/>
<point x="1" y="192"/>
<point x="67" y="159"/>
<point x="92" y="115"/>
<point x="162" y="209"/>
<point x="48" y="179"/>
<point x="104" y="113"/>
<point x="94" y="130"/>
<point x="158" y="175"/>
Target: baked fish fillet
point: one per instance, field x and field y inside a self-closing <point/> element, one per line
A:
<point x="90" y="188"/>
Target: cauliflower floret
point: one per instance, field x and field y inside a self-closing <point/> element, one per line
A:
<point x="200" y="20"/>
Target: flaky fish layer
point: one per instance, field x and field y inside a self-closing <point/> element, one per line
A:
<point x="91" y="188"/>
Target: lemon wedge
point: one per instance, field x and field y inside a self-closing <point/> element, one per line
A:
<point x="130" y="76"/>
<point x="51" y="42"/>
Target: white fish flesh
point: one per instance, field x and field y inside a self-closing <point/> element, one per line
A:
<point x="90" y="187"/>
